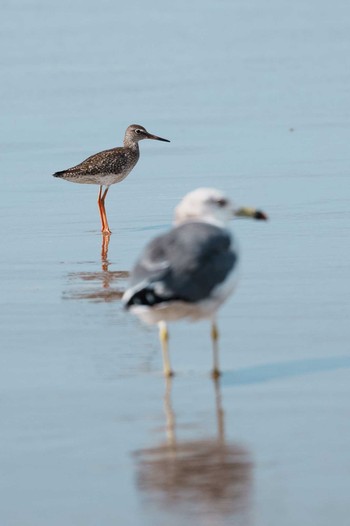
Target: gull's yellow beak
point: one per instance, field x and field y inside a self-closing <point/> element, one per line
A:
<point x="251" y="213"/>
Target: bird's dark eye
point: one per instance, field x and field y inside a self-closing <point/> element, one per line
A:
<point x="222" y="202"/>
<point x="138" y="131"/>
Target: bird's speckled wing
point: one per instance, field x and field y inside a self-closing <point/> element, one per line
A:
<point x="112" y="161"/>
<point x="185" y="264"/>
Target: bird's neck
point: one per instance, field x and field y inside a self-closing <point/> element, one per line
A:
<point x="132" y="145"/>
<point x="202" y="219"/>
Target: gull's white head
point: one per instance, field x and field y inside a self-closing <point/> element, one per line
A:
<point x="204" y="204"/>
<point x="211" y="205"/>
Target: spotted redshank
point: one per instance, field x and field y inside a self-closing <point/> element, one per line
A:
<point x="109" y="167"/>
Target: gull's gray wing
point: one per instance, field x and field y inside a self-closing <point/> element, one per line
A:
<point x="184" y="264"/>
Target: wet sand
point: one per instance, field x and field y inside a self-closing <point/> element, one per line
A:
<point x="254" y="100"/>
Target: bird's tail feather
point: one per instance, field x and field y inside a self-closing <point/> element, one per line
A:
<point x="59" y="174"/>
<point x="146" y="294"/>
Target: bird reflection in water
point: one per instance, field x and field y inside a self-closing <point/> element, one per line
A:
<point x="209" y="476"/>
<point x="100" y="286"/>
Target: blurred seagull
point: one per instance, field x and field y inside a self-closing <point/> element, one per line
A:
<point x="109" y="167"/>
<point x="190" y="271"/>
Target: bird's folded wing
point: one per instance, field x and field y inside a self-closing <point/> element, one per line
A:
<point x="108" y="161"/>
<point x="185" y="264"/>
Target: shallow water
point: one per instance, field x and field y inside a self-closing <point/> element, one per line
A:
<point x="254" y="99"/>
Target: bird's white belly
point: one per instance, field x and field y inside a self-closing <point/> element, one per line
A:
<point x="108" y="180"/>
<point x="102" y="179"/>
<point x="176" y="310"/>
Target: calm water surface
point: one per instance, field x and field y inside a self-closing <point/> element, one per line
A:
<point x="254" y="97"/>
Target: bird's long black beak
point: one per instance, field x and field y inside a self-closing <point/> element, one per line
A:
<point x="155" y="137"/>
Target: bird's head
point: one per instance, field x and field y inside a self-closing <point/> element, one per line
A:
<point x="209" y="204"/>
<point x="135" y="133"/>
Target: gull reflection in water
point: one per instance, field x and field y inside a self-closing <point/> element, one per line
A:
<point x="207" y="477"/>
<point x="99" y="286"/>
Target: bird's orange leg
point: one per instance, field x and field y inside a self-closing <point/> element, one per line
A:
<point x="105" y="227"/>
<point x="100" y="208"/>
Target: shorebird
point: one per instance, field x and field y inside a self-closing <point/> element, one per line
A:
<point x="109" y="167"/>
<point x="190" y="271"/>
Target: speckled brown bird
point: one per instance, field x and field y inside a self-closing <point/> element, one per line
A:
<point x="109" y="167"/>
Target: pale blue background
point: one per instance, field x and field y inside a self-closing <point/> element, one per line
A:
<point x="254" y="96"/>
